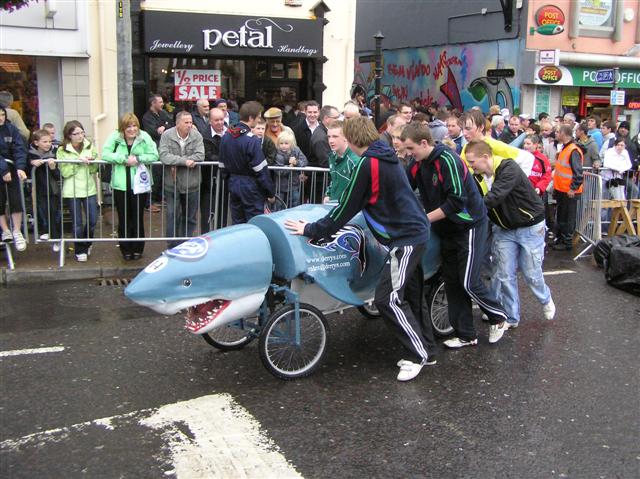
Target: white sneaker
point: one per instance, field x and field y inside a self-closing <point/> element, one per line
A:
<point x="409" y="370"/>
<point x="44" y="237"/>
<point x="81" y="258"/>
<point x="496" y="331"/>
<point x="508" y="325"/>
<point x="428" y="362"/>
<point x="56" y="247"/>
<point x="7" y="237"/>
<point x="455" y="343"/>
<point x="549" y="310"/>
<point x="89" y="250"/>
<point x="19" y="241"/>
<point x="485" y="317"/>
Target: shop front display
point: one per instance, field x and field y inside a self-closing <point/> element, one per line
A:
<point x="276" y="61"/>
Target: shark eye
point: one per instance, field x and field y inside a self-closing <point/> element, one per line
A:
<point x="186" y="283"/>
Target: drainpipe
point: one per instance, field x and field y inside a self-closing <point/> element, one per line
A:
<point x="598" y="60"/>
<point x="103" y="73"/>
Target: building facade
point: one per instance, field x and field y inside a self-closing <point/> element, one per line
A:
<point x="276" y="52"/>
<point x="58" y="59"/>
<point x="456" y="53"/>
<point x="572" y="48"/>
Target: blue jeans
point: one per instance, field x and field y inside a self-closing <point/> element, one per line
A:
<point x="81" y="228"/>
<point x="521" y="248"/>
<point x="182" y="213"/>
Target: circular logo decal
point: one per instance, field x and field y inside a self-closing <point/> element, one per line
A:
<point x="193" y="249"/>
<point x="549" y="15"/>
<point x="157" y="265"/>
<point x="550" y="74"/>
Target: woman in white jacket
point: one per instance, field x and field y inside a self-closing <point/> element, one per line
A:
<point x="616" y="162"/>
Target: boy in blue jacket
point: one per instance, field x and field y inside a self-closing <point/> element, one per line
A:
<point x="458" y="215"/>
<point x="379" y="188"/>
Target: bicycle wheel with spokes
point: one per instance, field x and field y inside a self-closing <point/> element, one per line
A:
<point x="289" y="350"/>
<point x="437" y="308"/>
<point x="230" y="337"/>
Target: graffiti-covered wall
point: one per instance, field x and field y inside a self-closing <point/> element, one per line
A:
<point x="451" y="74"/>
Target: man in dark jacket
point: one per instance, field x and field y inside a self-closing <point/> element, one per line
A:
<point x="245" y="166"/>
<point x="379" y="189"/>
<point x="517" y="213"/>
<point x="512" y="132"/>
<point x="319" y="146"/>
<point x="211" y="139"/>
<point x="457" y="214"/>
<point x="201" y="116"/>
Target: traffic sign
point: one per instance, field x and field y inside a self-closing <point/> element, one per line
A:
<point x="548" y="57"/>
<point x="604" y="76"/>
<point x="501" y="73"/>
<point x="617" y="98"/>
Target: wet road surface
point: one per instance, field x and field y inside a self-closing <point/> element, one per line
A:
<point x="551" y="399"/>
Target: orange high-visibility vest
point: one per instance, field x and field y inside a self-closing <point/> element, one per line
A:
<point x="563" y="174"/>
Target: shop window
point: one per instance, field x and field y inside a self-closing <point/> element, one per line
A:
<point x="598" y="18"/>
<point x="18" y="76"/>
<point x="214" y="78"/>
<point x="277" y="71"/>
<point x="294" y="70"/>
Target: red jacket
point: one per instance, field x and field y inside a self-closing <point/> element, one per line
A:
<point x="540" y="176"/>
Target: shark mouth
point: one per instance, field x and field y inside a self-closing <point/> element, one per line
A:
<point x="202" y="315"/>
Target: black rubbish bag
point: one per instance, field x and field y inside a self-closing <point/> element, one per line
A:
<point x="603" y="248"/>
<point x="623" y="269"/>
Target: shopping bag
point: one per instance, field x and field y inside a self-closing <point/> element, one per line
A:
<point x="141" y="180"/>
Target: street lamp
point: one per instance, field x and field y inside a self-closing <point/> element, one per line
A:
<point x="376" y="108"/>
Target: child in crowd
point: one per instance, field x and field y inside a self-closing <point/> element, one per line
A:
<point x="268" y="147"/>
<point x="79" y="187"/>
<point x="289" y="155"/>
<point x="51" y="129"/>
<point x="46" y="179"/>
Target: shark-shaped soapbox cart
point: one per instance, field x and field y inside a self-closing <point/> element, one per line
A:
<point x="257" y="280"/>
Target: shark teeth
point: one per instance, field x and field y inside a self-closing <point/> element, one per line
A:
<point x="203" y="314"/>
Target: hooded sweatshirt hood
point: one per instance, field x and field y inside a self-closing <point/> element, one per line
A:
<point x="380" y="150"/>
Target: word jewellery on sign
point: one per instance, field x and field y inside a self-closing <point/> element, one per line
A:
<point x="247" y="36"/>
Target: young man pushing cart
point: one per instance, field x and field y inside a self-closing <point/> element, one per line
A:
<point x="380" y="189"/>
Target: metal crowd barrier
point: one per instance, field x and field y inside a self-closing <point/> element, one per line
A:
<point x="588" y="218"/>
<point x="594" y="214"/>
<point x="202" y="209"/>
<point x="7" y="212"/>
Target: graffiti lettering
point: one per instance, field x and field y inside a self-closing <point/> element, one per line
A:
<point x="418" y="70"/>
<point x="400" y="92"/>
<point x="443" y="61"/>
<point x="395" y="70"/>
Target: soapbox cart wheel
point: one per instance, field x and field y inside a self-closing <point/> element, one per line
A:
<point x="230" y="337"/>
<point x="436" y="305"/>
<point x="369" y="311"/>
<point x="290" y="349"/>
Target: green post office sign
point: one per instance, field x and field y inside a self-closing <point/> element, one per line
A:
<point x="585" y="76"/>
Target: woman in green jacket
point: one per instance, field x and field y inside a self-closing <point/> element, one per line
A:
<point x="126" y="149"/>
<point x="79" y="186"/>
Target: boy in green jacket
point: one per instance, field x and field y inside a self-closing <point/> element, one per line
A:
<point x="342" y="162"/>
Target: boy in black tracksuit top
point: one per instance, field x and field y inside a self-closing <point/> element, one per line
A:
<point x="379" y="188"/>
<point x="458" y="215"/>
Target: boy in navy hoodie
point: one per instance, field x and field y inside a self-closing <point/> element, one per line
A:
<point x="379" y="188"/>
<point x="42" y="155"/>
<point x="458" y="215"/>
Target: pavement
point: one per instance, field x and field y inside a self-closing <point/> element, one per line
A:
<point x="38" y="263"/>
<point x="131" y="394"/>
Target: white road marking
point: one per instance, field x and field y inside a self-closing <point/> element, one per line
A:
<point x="558" y="272"/>
<point x="223" y="439"/>
<point x="20" y="352"/>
